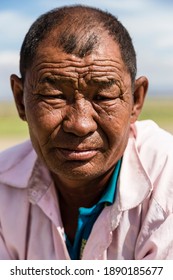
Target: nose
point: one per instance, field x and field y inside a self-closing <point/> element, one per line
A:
<point x="79" y="119"/>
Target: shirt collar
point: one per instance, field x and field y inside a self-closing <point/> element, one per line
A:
<point x="109" y="194"/>
<point x="134" y="182"/>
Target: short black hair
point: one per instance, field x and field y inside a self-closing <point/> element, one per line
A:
<point x="79" y="35"/>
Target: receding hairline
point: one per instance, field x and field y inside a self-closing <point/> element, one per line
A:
<point x="78" y="18"/>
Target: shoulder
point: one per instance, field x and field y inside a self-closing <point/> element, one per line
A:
<point x="11" y="154"/>
<point x="148" y="135"/>
<point x="154" y="147"/>
<point x="16" y="164"/>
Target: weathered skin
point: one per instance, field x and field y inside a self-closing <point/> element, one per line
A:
<point x="79" y="112"/>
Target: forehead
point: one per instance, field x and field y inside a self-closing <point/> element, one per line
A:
<point x="104" y="60"/>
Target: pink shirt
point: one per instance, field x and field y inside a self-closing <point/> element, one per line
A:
<point x="139" y="225"/>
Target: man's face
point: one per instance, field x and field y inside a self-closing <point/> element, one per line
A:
<point x="79" y="109"/>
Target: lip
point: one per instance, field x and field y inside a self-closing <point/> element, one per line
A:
<point x="77" y="155"/>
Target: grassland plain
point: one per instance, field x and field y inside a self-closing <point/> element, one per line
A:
<point x="14" y="131"/>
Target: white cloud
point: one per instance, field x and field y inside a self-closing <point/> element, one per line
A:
<point x="122" y="5"/>
<point x="125" y="5"/>
<point x="165" y="42"/>
<point x="9" y="58"/>
<point x="13" y="27"/>
<point x="157" y="69"/>
<point x="9" y="65"/>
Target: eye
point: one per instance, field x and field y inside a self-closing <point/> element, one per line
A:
<point x="59" y="96"/>
<point x="56" y="96"/>
<point x="101" y="97"/>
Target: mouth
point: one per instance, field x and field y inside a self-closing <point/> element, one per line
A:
<point x="77" y="155"/>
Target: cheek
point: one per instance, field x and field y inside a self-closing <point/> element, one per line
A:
<point x="115" y="126"/>
<point x="118" y="136"/>
<point x="42" y="120"/>
<point x="115" y="121"/>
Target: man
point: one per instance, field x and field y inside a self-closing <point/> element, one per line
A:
<point x="95" y="183"/>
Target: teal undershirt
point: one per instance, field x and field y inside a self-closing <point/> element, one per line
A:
<point x="88" y="216"/>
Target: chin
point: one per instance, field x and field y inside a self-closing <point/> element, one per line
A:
<point x="77" y="171"/>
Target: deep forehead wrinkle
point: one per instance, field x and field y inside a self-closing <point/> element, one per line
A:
<point x="79" y="68"/>
<point x="79" y="63"/>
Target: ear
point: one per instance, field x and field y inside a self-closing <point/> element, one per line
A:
<point x="140" y="90"/>
<point x="17" y="89"/>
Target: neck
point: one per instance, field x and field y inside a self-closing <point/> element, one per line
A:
<point x="81" y="193"/>
<point x="73" y="194"/>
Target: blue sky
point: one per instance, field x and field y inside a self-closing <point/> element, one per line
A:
<point x="150" y="23"/>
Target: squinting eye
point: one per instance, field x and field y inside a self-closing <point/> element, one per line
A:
<point x="99" y="97"/>
<point x="58" y="96"/>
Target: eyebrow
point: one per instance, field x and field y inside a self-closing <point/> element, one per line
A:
<point x="54" y="79"/>
<point x="102" y="82"/>
<point x="105" y="83"/>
